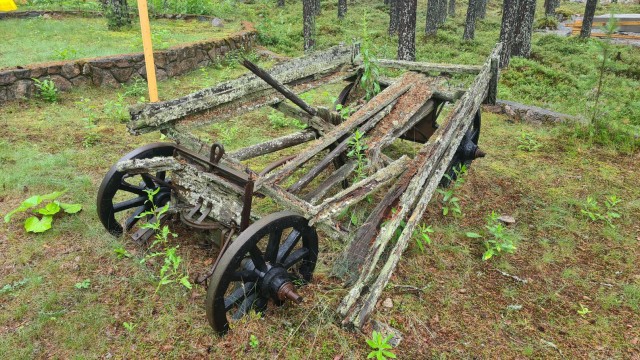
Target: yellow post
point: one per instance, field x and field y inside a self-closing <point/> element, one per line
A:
<point x="148" y="50"/>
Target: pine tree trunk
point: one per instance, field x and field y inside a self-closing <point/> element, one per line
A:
<point x="342" y="8"/>
<point x="309" y="24"/>
<point x="280" y="3"/>
<point x="587" y="20"/>
<point x="509" y="13"/>
<point x="452" y="8"/>
<point x="481" y="9"/>
<point x="431" y="27"/>
<point x="317" y="8"/>
<point x="470" y="24"/>
<point x="550" y="7"/>
<point x="522" y="45"/>
<point x="394" y="9"/>
<point x="407" y="30"/>
<point x="442" y="12"/>
<point x="117" y="13"/>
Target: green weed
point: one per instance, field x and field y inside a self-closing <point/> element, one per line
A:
<point x="47" y="90"/>
<point x="422" y="236"/>
<point x="66" y="53"/>
<point x="253" y="341"/>
<point x="450" y="202"/>
<point x="583" y="310"/>
<point x="47" y="212"/>
<point x="129" y="326"/>
<point x="380" y="347"/>
<point x="84" y="284"/>
<point x="278" y="120"/>
<point x="122" y="253"/>
<point x="592" y="210"/>
<point x="498" y="239"/>
<point x="370" y="69"/>
<point x="528" y="142"/>
<point x="357" y="150"/>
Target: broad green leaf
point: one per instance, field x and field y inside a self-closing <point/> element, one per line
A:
<point x="35" y="225"/>
<point x="445" y="210"/>
<point x="487" y="254"/>
<point x="50" y="209"/>
<point x="185" y="282"/>
<point x="26" y="205"/>
<point x="52" y="196"/>
<point x="70" y="208"/>
<point x="473" y="235"/>
<point x="388" y="354"/>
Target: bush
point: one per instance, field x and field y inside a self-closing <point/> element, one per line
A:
<point x="546" y="23"/>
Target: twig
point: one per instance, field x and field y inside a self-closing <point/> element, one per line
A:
<point x="516" y="278"/>
<point x="552" y="345"/>
<point x="411" y="288"/>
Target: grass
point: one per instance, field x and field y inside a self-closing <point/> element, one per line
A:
<point x="466" y="307"/>
<point x="53" y="39"/>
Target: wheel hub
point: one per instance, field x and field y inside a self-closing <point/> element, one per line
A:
<point x="277" y="285"/>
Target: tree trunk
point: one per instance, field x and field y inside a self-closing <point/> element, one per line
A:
<point x="509" y="12"/>
<point x="522" y="44"/>
<point x="342" y="8"/>
<point x="442" y="12"/>
<point x="309" y="24"/>
<point x="317" y="7"/>
<point x="280" y="3"/>
<point x="587" y="20"/>
<point x="452" y="8"/>
<point x="407" y="30"/>
<point x="470" y="25"/>
<point x="117" y="13"/>
<point x="432" y="17"/>
<point x="394" y="9"/>
<point x="481" y="9"/>
<point x="550" y="7"/>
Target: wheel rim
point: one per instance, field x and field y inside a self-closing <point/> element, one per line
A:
<point x="124" y="196"/>
<point x="278" y="248"/>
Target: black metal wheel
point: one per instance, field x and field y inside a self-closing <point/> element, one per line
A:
<point x="122" y="197"/>
<point x="468" y="150"/>
<point x="261" y="266"/>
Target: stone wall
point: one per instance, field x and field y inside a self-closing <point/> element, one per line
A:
<point x="111" y="71"/>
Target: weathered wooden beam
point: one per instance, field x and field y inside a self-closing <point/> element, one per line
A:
<point x="356" y="306"/>
<point x="387" y="97"/>
<point x="429" y="67"/>
<point x="148" y="117"/>
<point x="358" y="191"/>
<point x="152" y="165"/>
<point x="291" y="111"/>
<point x="274" y="145"/>
<point x="335" y="178"/>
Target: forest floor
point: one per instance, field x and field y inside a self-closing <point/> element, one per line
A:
<point x="570" y="290"/>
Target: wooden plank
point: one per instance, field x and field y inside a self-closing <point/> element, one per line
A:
<point x="425" y="67"/>
<point x="146" y="118"/>
<point x="274" y="145"/>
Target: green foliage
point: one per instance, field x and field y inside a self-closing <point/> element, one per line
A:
<point x="592" y="210"/>
<point x="253" y="341"/>
<point x="344" y="111"/>
<point x="44" y="223"/>
<point x="279" y="120"/>
<point x="136" y="89"/>
<point x="546" y="23"/>
<point x="380" y="347"/>
<point x="122" y="253"/>
<point x="422" y="236"/>
<point x="528" y="142"/>
<point x="117" y="109"/>
<point x="357" y="150"/>
<point x="8" y="288"/>
<point x="498" y="238"/>
<point x="609" y="29"/>
<point x="170" y="272"/>
<point x="66" y="53"/>
<point x="129" y="326"/>
<point x="583" y="310"/>
<point x="227" y="132"/>
<point x="450" y="202"/>
<point x="370" y="70"/>
<point x="84" y="284"/>
<point x="47" y="90"/>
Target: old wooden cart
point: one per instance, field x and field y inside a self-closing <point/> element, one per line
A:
<point x="263" y="260"/>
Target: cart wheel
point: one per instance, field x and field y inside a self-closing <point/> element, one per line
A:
<point x="467" y="151"/>
<point x="263" y="263"/>
<point x="124" y="195"/>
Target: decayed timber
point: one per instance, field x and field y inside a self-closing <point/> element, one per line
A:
<point x="424" y="67"/>
<point x="148" y="117"/>
<point x="358" y="191"/>
<point x="335" y="178"/>
<point x="388" y="96"/>
<point x="430" y="161"/>
<point x="153" y="165"/>
<point x="274" y="145"/>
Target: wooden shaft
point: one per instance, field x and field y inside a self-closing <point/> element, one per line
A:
<point x="145" y="28"/>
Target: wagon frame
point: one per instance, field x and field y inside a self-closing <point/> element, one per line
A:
<point x="261" y="261"/>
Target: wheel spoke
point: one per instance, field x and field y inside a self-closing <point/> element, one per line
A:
<point x="138" y="190"/>
<point x="244" y="275"/>
<point x="239" y="294"/>
<point x="288" y="245"/>
<point x="148" y="181"/>
<point x="258" y="259"/>
<point x="295" y="257"/>
<point x="244" y="307"/>
<point x="133" y="219"/>
<point x="161" y="175"/>
<point x="129" y="204"/>
<point x="272" y="247"/>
